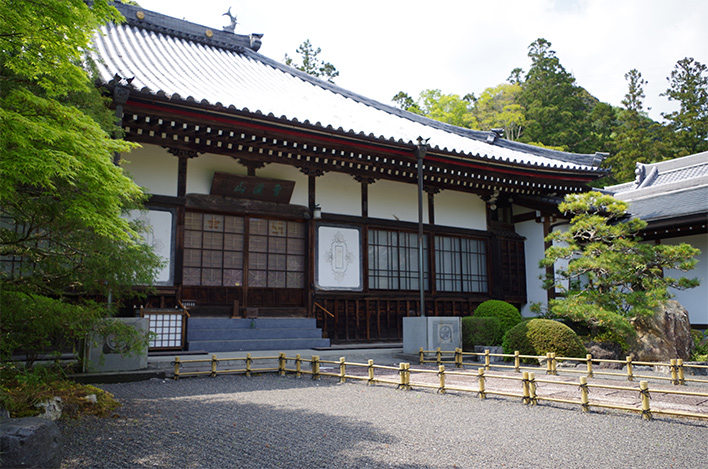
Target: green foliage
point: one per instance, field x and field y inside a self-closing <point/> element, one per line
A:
<point x="42" y="327"/>
<point x="610" y="276"/>
<point x="480" y="331"/>
<point x="498" y="108"/>
<point x="448" y="108"/>
<point x="63" y="200"/>
<point x="311" y="64"/>
<point x="700" y="345"/>
<point x="541" y="336"/>
<point x="688" y="84"/>
<point x="507" y="314"/>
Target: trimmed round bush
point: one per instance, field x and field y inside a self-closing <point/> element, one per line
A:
<point x="480" y="331"/>
<point x="507" y="313"/>
<point x="540" y="336"/>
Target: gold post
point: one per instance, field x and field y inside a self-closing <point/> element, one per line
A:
<point x="248" y="364"/>
<point x="532" y="388"/>
<point x="298" y="366"/>
<point x="517" y="361"/>
<point x="681" y="377"/>
<point x="213" y="366"/>
<point x="525" y="387"/>
<point x="441" y="374"/>
<point x="644" y="391"/>
<point x="342" y="370"/>
<point x="584" y="401"/>
<point x="588" y="359"/>
<point x="371" y="372"/>
<point x="421" y="356"/>
<point x="486" y="359"/>
<point x="480" y="375"/>
<point x="315" y="367"/>
<point x="674" y="374"/>
<point x="281" y="364"/>
<point x="177" y="364"/>
<point x="630" y="374"/>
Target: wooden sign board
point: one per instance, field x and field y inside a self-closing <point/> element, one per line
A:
<point x="253" y="188"/>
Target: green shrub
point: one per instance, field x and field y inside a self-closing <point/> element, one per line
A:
<point x="480" y="331"/>
<point x="507" y="313"/>
<point x="540" y="336"/>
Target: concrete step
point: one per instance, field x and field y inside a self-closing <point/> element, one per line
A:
<point x="246" y="334"/>
<point x="257" y="323"/>
<point x="213" y="346"/>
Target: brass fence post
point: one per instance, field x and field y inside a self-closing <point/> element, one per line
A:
<point x="588" y="359"/>
<point x="480" y="375"/>
<point x="486" y="359"/>
<point x="517" y="361"/>
<point x="281" y="364"/>
<point x="315" y="367"/>
<point x="532" y="388"/>
<point x="177" y="365"/>
<point x="674" y="374"/>
<point x="630" y="374"/>
<point x="644" y="391"/>
<point x="584" y="401"/>
<point x="441" y="375"/>
<point x="213" y="366"/>
<point x="525" y="387"/>
<point x="342" y="370"/>
<point x="298" y="366"/>
<point x="681" y="376"/>
<point x="371" y="371"/>
<point x="248" y="364"/>
<point x="421" y="355"/>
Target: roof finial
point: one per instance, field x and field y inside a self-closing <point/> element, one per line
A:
<point x="231" y="27"/>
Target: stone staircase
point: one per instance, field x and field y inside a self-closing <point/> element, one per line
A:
<point x="234" y="335"/>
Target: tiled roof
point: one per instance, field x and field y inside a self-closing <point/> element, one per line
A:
<point x="183" y="61"/>
<point x="668" y="189"/>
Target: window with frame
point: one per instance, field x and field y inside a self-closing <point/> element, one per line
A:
<point x="214" y="251"/>
<point x="460" y="264"/>
<point x="393" y="260"/>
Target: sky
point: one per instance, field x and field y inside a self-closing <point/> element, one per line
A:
<point x="465" y="46"/>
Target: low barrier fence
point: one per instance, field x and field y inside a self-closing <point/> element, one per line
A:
<point x="466" y="381"/>
<point x="676" y="367"/>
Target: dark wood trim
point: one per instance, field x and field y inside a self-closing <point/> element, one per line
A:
<point x="550" y="271"/>
<point x="431" y="208"/>
<point x="230" y="205"/>
<point x="182" y="176"/>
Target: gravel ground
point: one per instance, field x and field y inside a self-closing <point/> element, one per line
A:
<point x="270" y="421"/>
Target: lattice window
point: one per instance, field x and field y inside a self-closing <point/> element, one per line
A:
<point x="276" y="254"/>
<point x="394" y="260"/>
<point x="168" y="328"/>
<point x="213" y="253"/>
<point x="460" y="264"/>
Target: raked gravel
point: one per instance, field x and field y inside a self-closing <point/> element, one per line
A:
<point x="264" y="421"/>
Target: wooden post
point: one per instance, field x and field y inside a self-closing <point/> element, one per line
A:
<point x="407" y="374"/>
<point x="532" y="388"/>
<point x="517" y="361"/>
<point x="486" y="359"/>
<point x="342" y="370"/>
<point x="554" y="364"/>
<point x="674" y="373"/>
<point x="584" y="402"/>
<point x="644" y="391"/>
<point x="298" y="366"/>
<point x="441" y="375"/>
<point x="439" y="356"/>
<point x="549" y="368"/>
<point x="422" y="356"/>
<point x="588" y="359"/>
<point x="458" y="358"/>
<point x="249" y="360"/>
<point x="315" y="367"/>
<point x="630" y="374"/>
<point x="480" y="375"/>
<point x="371" y="372"/>
<point x="401" y="376"/>
<point x="525" y="387"/>
<point x="213" y="366"/>
<point x="681" y="377"/>
<point x="177" y="365"/>
<point x="281" y="364"/>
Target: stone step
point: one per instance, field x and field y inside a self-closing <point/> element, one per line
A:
<point x="213" y="346"/>
<point x="257" y="323"/>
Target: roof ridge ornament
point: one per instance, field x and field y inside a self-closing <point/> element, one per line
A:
<point x="232" y="26"/>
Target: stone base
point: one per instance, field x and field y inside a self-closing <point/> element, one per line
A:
<point x="431" y="333"/>
<point x="30" y="442"/>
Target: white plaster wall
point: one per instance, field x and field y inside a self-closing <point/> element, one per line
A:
<point x="288" y="173"/>
<point x="694" y="300"/>
<point x="460" y="209"/>
<point x="339" y="193"/>
<point x="159" y="235"/>
<point x="534" y="252"/>
<point x="152" y="168"/>
<point x="391" y="200"/>
<point x="200" y="171"/>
